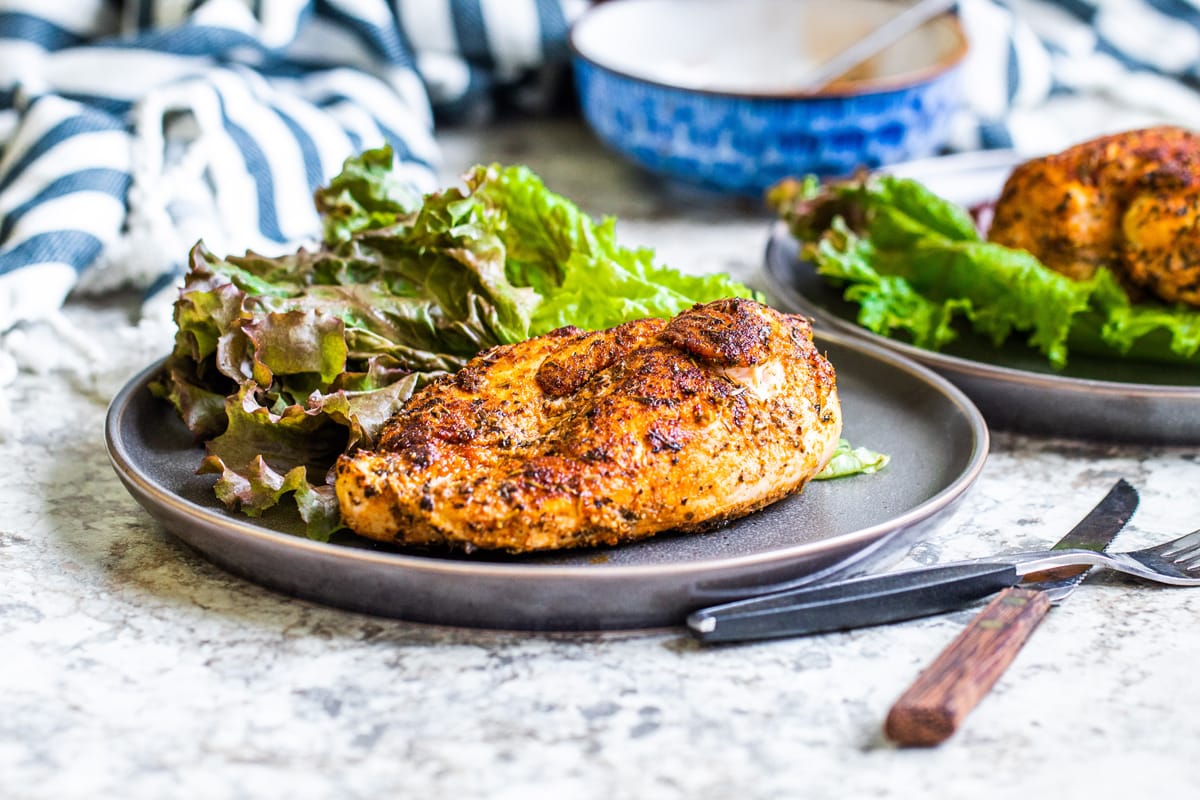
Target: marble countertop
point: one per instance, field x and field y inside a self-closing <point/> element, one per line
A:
<point x="131" y="667"/>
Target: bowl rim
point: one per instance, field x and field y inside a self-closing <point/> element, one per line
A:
<point x="835" y="90"/>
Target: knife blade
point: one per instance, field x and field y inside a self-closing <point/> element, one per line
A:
<point x="895" y="596"/>
<point x="941" y="697"/>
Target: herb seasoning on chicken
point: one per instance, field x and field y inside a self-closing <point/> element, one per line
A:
<point x="575" y="438"/>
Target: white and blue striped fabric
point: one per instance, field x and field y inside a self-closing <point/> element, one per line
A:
<point x="1044" y="74"/>
<point x="129" y="129"/>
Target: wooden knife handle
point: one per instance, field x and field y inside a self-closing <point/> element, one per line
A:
<point x="942" y="696"/>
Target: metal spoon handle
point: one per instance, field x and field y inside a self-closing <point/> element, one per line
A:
<point x="907" y="20"/>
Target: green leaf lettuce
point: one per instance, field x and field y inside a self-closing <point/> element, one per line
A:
<point x="916" y="266"/>
<point x="849" y="460"/>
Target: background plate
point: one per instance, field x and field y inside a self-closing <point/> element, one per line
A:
<point x="935" y="436"/>
<point x="1108" y="399"/>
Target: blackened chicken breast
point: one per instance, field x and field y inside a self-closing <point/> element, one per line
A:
<point x="581" y="438"/>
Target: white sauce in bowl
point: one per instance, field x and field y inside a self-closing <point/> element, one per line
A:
<point x="760" y="47"/>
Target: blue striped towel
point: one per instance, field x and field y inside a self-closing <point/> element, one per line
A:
<point x="1045" y="74"/>
<point x="129" y="130"/>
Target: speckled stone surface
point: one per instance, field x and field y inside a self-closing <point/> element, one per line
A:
<point x="132" y="668"/>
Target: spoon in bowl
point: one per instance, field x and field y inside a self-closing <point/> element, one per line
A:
<point x="889" y="32"/>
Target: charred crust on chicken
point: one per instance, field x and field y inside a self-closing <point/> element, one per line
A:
<point x="596" y="438"/>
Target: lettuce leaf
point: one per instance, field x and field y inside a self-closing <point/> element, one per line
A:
<point x="850" y="460"/>
<point x="366" y="194"/>
<point x="918" y="270"/>
<point x="281" y="364"/>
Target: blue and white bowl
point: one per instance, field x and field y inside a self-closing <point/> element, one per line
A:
<point x="707" y="91"/>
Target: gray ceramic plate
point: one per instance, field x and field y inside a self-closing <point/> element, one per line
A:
<point x="1092" y="398"/>
<point x="935" y="436"/>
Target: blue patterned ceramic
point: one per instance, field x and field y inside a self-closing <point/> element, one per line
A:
<point x="699" y="90"/>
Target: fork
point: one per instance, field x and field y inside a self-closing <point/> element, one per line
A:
<point x="895" y="596"/>
<point x="1176" y="562"/>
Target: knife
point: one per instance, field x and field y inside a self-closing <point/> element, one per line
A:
<point x="932" y="708"/>
<point x="895" y="596"/>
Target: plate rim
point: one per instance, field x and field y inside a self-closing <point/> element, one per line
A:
<point x="860" y="540"/>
